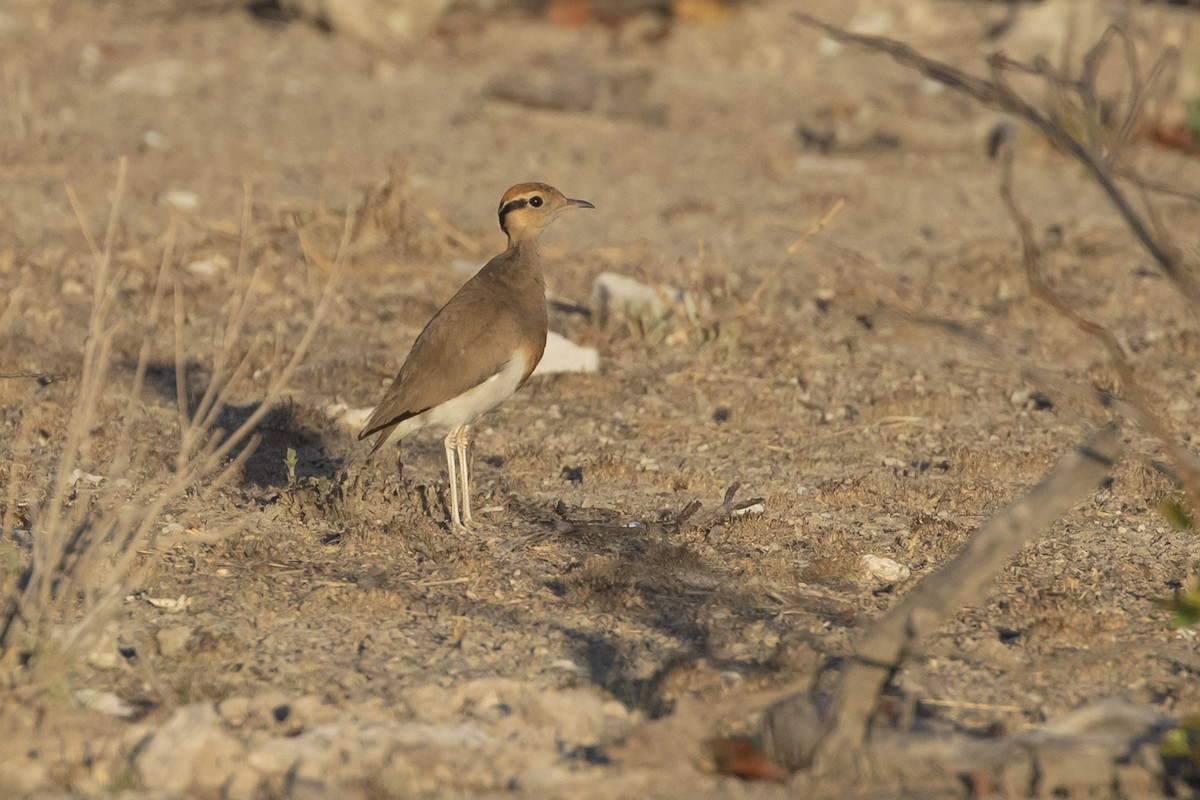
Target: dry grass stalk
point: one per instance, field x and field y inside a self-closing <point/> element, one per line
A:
<point x="85" y="548"/>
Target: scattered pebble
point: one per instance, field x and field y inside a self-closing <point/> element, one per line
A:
<point x="347" y="418"/>
<point x="828" y="47"/>
<point x="155" y="140"/>
<point x="78" y="475"/>
<point x="616" y="296"/>
<point x="209" y="266"/>
<point x="885" y="569"/>
<point x="563" y="355"/>
<point x="104" y="702"/>
<point x="72" y="288"/>
<point x="180" y="199"/>
<point x="752" y="510"/>
<point x="180" y="603"/>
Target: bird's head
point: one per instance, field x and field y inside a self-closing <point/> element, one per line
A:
<point x="528" y="207"/>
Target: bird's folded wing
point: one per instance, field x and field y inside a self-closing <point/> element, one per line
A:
<point x="466" y="343"/>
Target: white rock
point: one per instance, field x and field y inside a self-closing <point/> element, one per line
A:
<point x="751" y="510"/>
<point x="104" y="702"/>
<point x="615" y="295"/>
<point x="72" y="288"/>
<point x="79" y="475"/>
<point x="563" y="355"/>
<point x="180" y="199"/>
<point x="885" y="569"/>
<point x="348" y="419"/>
<point x="155" y="140"/>
<point x="828" y="47"/>
<point x="181" y="603"/>
<point x="385" y="23"/>
<point x="209" y="266"/>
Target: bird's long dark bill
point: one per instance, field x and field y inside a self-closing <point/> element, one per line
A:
<point x="579" y="203"/>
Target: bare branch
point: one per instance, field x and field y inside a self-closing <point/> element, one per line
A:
<point x="998" y="95"/>
<point x="787" y="725"/>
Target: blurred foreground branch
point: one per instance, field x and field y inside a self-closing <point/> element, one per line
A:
<point x="840" y="735"/>
<point x="829" y="733"/>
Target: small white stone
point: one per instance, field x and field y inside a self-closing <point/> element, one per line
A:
<point x="79" y="475"/>
<point x="155" y="140"/>
<point x="563" y="355"/>
<point x="828" y="47"/>
<point x="885" y="569"/>
<point x="349" y="419"/>
<point x="104" y="702"/>
<point x="615" y="295"/>
<point x="209" y="266"/>
<point x="930" y="86"/>
<point x="181" y="603"/>
<point x="180" y="199"/>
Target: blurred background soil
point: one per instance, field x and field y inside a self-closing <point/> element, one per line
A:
<point x="324" y="596"/>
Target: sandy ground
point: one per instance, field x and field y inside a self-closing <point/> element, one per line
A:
<point x="334" y="608"/>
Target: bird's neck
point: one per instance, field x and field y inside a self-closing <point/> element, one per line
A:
<point x="524" y="261"/>
<point x="525" y="249"/>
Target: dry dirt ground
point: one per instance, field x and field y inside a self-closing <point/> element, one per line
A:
<point x="335" y="637"/>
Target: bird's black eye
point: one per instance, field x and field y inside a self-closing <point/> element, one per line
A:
<point x="535" y="201"/>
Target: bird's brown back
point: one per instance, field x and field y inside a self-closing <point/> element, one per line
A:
<point x="500" y="310"/>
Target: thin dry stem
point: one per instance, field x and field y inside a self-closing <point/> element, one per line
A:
<point x="83" y="558"/>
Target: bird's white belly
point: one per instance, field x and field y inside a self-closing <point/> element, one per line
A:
<point x="471" y="404"/>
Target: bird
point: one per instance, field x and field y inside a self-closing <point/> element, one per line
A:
<point x="480" y="348"/>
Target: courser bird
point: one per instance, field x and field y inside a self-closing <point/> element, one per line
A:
<point x="480" y="347"/>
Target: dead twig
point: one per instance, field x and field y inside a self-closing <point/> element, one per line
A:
<point x="998" y="94"/>
<point x="1139" y="405"/>
<point x="837" y="743"/>
<point x="43" y="378"/>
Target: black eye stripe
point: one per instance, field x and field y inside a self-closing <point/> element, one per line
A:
<point x="511" y="205"/>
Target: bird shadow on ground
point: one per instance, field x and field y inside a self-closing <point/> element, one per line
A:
<point x="162" y="379"/>
<point x="654" y="578"/>
<point x="285" y="429"/>
<point x="293" y="444"/>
